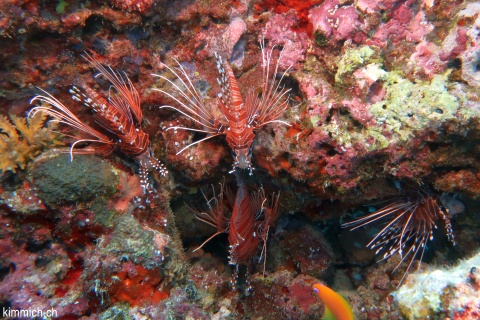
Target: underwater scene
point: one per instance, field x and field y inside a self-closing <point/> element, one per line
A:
<point x="254" y="159"/>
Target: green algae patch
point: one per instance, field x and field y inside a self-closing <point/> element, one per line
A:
<point x="353" y="59"/>
<point x="59" y="180"/>
<point x="131" y="242"/>
<point x="61" y="6"/>
<point x="410" y="107"/>
<point x="321" y="40"/>
<point x="119" y="311"/>
<point x="407" y="108"/>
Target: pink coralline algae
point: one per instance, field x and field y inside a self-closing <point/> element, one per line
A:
<point x="470" y="62"/>
<point x="373" y="6"/>
<point x="187" y="12"/>
<point x="426" y="59"/>
<point x="382" y="97"/>
<point x="358" y="110"/>
<point x="337" y="21"/>
<point x="233" y="33"/>
<point x="454" y="44"/>
<point x="404" y="25"/>
<point x="278" y="31"/>
<point x="129" y="189"/>
<point x="39" y="265"/>
<point x="281" y="296"/>
<point x="314" y="88"/>
<point x="305" y="249"/>
<point x="141" y="6"/>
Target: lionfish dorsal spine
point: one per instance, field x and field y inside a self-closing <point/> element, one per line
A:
<point x="128" y="100"/>
<point x="131" y="139"/>
<point x="231" y="97"/>
<point x="222" y="80"/>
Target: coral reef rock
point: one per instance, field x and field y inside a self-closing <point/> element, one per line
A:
<point x="454" y="292"/>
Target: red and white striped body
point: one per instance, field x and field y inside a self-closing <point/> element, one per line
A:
<point x="239" y="117"/>
<point x="242" y="235"/>
<point x="239" y="133"/>
<point x="131" y="140"/>
<point x="120" y="117"/>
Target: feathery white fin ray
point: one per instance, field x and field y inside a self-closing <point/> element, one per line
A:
<point x="60" y="113"/>
<point x="413" y="221"/>
<point x="129" y="100"/>
<point x="189" y="99"/>
<point x="274" y="100"/>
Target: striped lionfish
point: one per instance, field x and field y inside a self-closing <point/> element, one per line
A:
<point x="252" y="216"/>
<point x="120" y="118"/>
<point x="239" y="119"/>
<point x="413" y="218"/>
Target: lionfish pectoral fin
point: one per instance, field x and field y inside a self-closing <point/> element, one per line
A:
<point x="157" y="165"/>
<point x="148" y="162"/>
<point x="206" y="241"/>
<point x="197" y="142"/>
<point x="277" y="121"/>
<point x="264" y="248"/>
<point x="189" y="99"/>
<point x="143" y="173"/>
<point x="60" y="113"/>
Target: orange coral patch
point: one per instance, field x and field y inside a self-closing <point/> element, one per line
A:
<point x="138" y="288"/>
<point x="285" y="163"/>
<point x="292" y="131"/>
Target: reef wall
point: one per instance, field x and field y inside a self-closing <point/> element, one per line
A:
<point x="383" y="100"/>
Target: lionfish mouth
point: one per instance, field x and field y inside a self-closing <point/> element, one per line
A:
<point x="243" y="159"/>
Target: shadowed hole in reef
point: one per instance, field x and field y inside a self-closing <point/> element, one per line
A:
<point x="329" y="116"/>
<point x="291" y="83"/>
<point x="4" y="270"/>
<point x="5" y="305"/>
<point x="345" y="112"/>
<point x="100" y="45"/>
<point x="455" y="64"/>
<point x="93" y="25"/>
<point x="329" y="150"/>
<point x="195" y="232"/>
<point x="433" y="146"/>
<point x="217" y="246"/>
<point x="36" y="246"/>
<point x="42" y="261"/>
<point x="238" y="50"/>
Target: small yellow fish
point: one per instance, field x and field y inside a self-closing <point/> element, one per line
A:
<point x="336" y="307"/>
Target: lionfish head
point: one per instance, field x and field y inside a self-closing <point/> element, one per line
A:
<point x="243" y="158"/>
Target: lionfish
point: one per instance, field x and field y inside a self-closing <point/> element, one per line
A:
<point x="238" y="119"/>
<point x="413" y="218"/>
<point x="119" y="117"/>
<point x="251" y="217"/>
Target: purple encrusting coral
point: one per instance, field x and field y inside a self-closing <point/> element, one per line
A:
<point x="383" y="100"/>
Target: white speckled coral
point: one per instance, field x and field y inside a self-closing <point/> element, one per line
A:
<point x="442" y="291"/>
